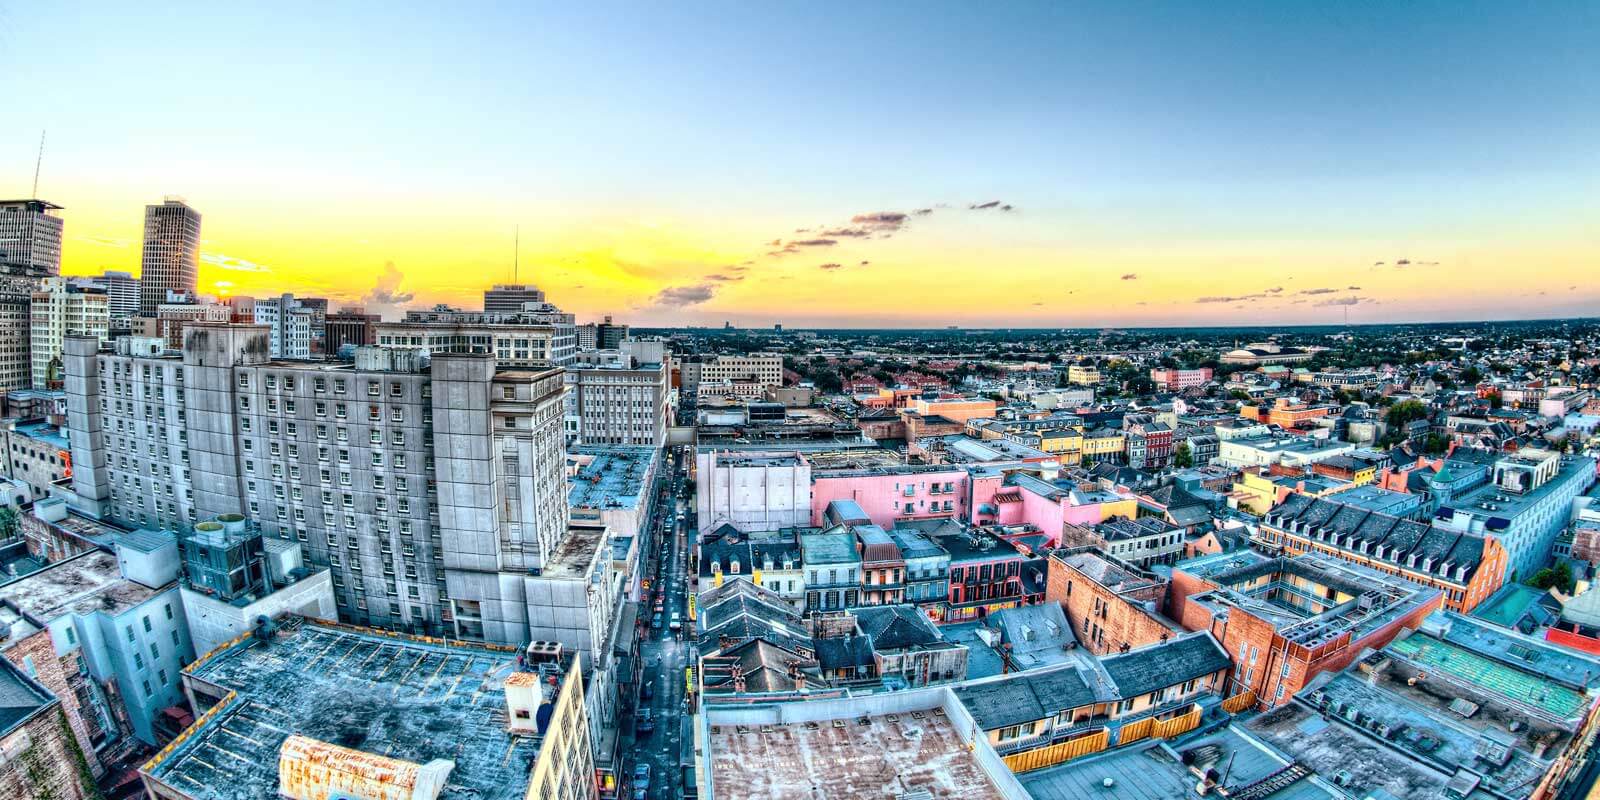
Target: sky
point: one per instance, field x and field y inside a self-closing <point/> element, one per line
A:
<point x="837" y="164"/>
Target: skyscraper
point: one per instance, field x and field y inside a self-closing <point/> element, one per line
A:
<point x="30" y="237"/>
<point x="171" y="249"/>
<point x="511" y="298"/>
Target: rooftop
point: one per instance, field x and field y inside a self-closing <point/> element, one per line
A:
<point x="577" y="553"/>
<point x="20" y="698"/>
<point x="84" y="584"/>
<point x="614" y="478"/>
<point x="1156" y="771"/>
<point x="402" y="697"/>
<point x="878" y="755"/>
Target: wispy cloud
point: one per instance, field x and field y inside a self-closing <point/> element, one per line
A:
<point x="1131" y="276"/>
<point x="1343" y="301"/>
<point x="233" y="263"/>
<point x="681" y="296"/>
<point x="994" y="205"/>
<point x="830" y="266"/>
<point x="1324" y="290"/>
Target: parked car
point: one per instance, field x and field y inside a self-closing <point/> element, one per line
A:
<point x="677" y="621"/>
<point x="641" y="780"/>
<point x="644" y="724"/>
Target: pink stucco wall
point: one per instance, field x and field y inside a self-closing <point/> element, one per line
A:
<point x="883" y="496"/>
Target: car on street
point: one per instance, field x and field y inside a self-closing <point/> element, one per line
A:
<point x="677" y="621"/>
<point x="647" y="692"/>
<point x="645" y="724"/>
<point x="641" y="780"/>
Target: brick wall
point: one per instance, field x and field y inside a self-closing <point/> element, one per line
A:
<point x="39" y="651"/>
<point x="1104" y="620"/>
<point x="42" y="761"/>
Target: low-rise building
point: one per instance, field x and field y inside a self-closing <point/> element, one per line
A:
<point x="1111" y="605"/>
<point x="41" y="759"/>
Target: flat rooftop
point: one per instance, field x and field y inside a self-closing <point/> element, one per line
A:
<point x="615" y="478"/>
<point x="577" y="553"/>
<point x="83" y="584"/>
<point x="1156" y="771"/>
<point x="889" y="755"/>
<point x="398" y="696"/>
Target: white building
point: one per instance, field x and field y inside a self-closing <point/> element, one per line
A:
<point x="291" y="326"/>
<point x="30" y="237"/>
<point x="61" y="309"/>
<point x="16" y="369"/>
<point x="1289" y="451"/>
<point x="752" y="491"/>
<point x="541" y="338"/>
<point x="743" y="376"/>
<point x="622" y="401"/>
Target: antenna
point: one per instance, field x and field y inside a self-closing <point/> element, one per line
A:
<point x="516" y="253"/>
<point x="39" y="162"/>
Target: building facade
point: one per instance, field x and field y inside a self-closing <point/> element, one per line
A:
<point x="60" y="309"/>
<point x="30" y="237"/>
<point x="171" y="252"/>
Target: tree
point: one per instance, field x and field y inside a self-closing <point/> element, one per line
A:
<point x="1471" y="375"/>
<point x="1182" y="458"/>
<point x="1560" y="578"/>
<point x="9" y="522"/>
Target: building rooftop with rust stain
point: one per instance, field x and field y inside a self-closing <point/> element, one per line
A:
<point x="403" y="698"/>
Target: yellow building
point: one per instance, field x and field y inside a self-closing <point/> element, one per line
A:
<point x="1256" y="492"/>
<point x="1102" y="444"/>
<point x="1066" y="443"/>
<point x="1083" y="375"/>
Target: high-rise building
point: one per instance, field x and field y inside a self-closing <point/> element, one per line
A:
<point x="352" y="325"/>
<point x="122" y="294"/>
<point x="61" y="309"/>
<point x="16" y="368"/>
<point x="349" y="460"/>
<point x="171" y="253"/>
<point x="30" y="237"/>
<point x="512" y="298"/>
<point x="291" y="325"/>
<point x="620" y="401"/>
<point x="605" y="335"/>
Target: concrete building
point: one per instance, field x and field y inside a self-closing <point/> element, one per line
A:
<point x="171" y="251"/>
<point x="309" y="710"/>
<point x="1286" y="451"/>
<point x="42" y="758"/>
<point x="290" y="326"/>
<point x="170" y="318"/>
<point x="541" y="337"/>
<point x="624" y="402"/>
<point x="16" y="327"/>
<point x="742" y="376"/>
<point x="352" y="326"/>
<point x="1176" y="380"/>
<point x="36" y="453"/>
<point x="512" y="298"/>
<point x="120" y="617"/>
<point x="233" y="576"/>
<point x="1142" y="542"/>
<point x="30" y="237"/>
<point x="374" y="466"/>
<point x="603" y="335"/>
<point x="1526" y="503"/>
<point x="61" y="309"/>
<point x="751" y="491"/>
<point x="122" y="295"/>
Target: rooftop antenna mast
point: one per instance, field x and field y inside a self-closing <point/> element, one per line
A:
<point x="37" y="163"/>
<point x="516" y="253"/>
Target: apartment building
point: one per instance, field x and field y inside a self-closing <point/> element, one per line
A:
<point x="1176" y="380"/>
<point x="346" y="459"/>
<point x="59" y="309"/>
<point x="290" y="324"/>
<point x="1083" y="375"/>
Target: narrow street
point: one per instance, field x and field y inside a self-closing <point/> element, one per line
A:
<point x="666" y="653"/>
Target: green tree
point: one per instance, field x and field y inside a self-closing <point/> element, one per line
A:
<point x="9" y="522"/>
<point x="1182" y="458"/>
<point x="1559" y="577"/>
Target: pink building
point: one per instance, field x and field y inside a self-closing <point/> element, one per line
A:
<point x="1178" y="379"/>
<point x="888" y="496"/>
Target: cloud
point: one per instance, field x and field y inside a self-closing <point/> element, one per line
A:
<point x="864" y="263"/>
<point x="923" y="212"/>
<point x="1226" y="298"/>
<point x="1343" y="301"/>
<point x="680" y="296"/>
<point x="812" y="243"/>
<point x="1353" y="288"/>
<point x="880" y="219"/>
<point x="387" y="291"/>
<point x="831" y="266"/>
<point x="104" y="241"/>
<point x="847" y="233"/>
<point x="994" y="205"/>
<point x="1377" y="263"/>
<point x="1275" y="290"/>
<point x="1038" y="304"/>
<point x="1317" y="291"/>
<point x="1131" y="276"/>
<point x="232" y="263"/>
<point x="725" y="278"/>
<point x="1402" y="262"/>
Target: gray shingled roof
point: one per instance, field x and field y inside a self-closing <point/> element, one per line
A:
<point x="1150" y="669"/>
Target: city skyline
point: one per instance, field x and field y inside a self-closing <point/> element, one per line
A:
<point x="1030" y="166"/>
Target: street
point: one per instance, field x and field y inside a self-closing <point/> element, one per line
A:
<point x="665" y="653"/>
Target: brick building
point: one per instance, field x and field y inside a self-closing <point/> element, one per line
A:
<point x="1286" y="620"/>
<point x="40" y="756"/>
<point x="1111" y="605"/>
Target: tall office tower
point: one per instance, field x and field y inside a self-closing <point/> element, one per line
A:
<point x="318" y="308"/>
<point x="348" y="460"/>
<point x="61" y="309"/>
<point x="171" y="253"/>
<point x="30" y="237"/>
<point x="16" y="368"/>
<point x="511" y="298"/>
